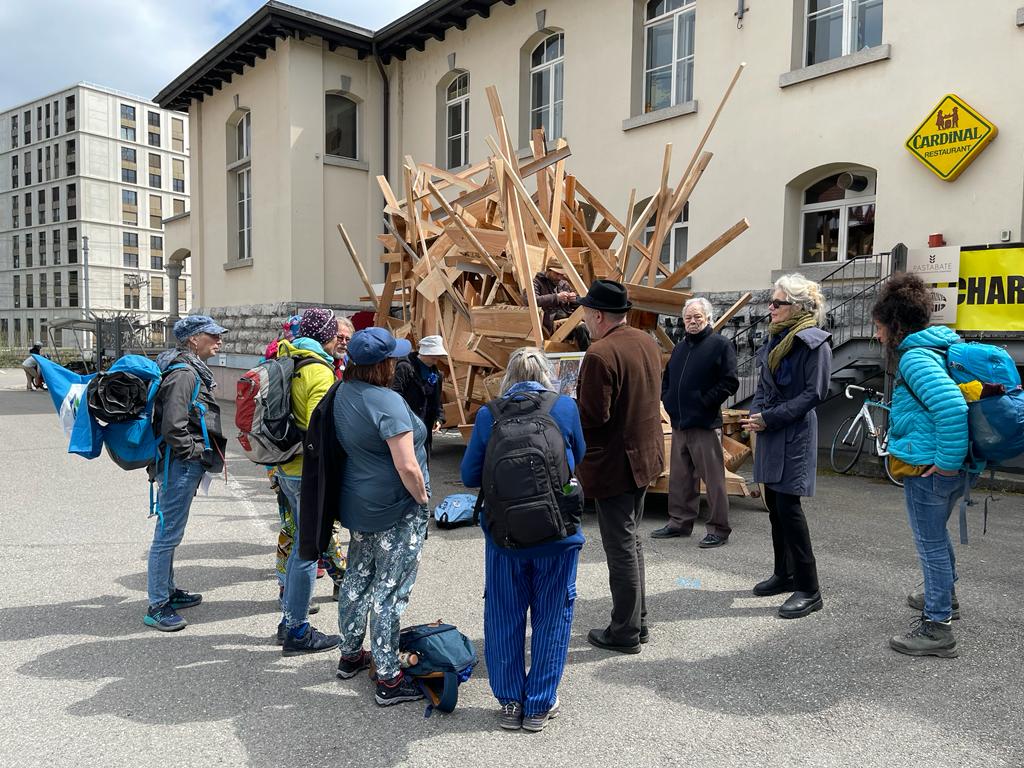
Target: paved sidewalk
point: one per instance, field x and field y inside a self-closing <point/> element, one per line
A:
<point x="723" y="682"/>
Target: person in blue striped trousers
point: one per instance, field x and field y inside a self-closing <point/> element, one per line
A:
<point x="540" y="580"/>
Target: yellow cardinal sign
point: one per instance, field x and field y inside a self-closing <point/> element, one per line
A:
<point x="990" y="291"/>
<point x="951" y="137"/>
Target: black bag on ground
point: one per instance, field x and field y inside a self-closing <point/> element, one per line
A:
<point x="525" y="470"/>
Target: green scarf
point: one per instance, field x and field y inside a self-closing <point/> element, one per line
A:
<point x="794" y="325"/>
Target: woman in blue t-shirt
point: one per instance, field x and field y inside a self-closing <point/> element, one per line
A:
<point x="541" y="579"/>
<point x="384" y="505"/>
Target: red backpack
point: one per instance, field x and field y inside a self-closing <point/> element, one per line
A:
<point x="263" y="411"/>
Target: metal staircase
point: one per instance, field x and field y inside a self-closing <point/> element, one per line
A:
<point x="851" y="289"/>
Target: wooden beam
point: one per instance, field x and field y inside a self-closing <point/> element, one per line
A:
<point x="359" y="267"/>
<point x="568" y="325"/>
<point x="461" y="225"/>
<point x="705" y="253"/>
<point x="740" y="304"/>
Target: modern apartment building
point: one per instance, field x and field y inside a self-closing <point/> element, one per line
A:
<point x="294" y="114"/>
<point x="87" y="176"/>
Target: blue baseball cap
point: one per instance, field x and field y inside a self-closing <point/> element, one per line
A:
<point x="193" y="324"/>
<point x="371" y="345"/>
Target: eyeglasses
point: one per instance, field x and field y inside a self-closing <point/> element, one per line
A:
<point x="776" y="303"/>
<point x="344" y="339"/>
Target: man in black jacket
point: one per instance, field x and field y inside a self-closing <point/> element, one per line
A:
<point x="700" y="376"/>
<point x="419" y="382"/>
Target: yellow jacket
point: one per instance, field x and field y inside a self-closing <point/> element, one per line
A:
<point x="308" y="387"/>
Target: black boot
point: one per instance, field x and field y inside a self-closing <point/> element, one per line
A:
<point x="801" y="604"/>
<point x="773" y="585"/>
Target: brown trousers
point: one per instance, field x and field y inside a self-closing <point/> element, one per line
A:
<point x="696" y="456"/>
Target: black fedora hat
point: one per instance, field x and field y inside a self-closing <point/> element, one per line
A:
<point x="606" y="296"/>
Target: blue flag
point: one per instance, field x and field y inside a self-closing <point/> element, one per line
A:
<point x="67" y="390"/>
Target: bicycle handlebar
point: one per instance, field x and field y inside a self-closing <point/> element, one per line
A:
<point x="868" y="391"/>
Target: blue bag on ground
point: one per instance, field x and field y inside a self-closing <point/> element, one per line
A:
<point x="457" y="510"/>
<point x="445" y="660"/>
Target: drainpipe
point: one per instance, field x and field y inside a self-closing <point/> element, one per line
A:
<point x="387" y="113"/>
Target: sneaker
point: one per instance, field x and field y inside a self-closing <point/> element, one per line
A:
<point x="282" y="633"/>
<point x="311" y="641"/>
<point x="510" y="716"/>
<point x="164" y="618"/>
<point x="350" y="666"/>
<point x="537" y="722"/>
<point x="397" y="690"/>
<point x="916" y="601"/>
<point x="182" y="599"/>
<point x="927" y="638"/>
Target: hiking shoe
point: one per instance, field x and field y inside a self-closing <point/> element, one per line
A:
<point x="164" y="618"/>
<point x="282" y="633"/>
<point x="182" y="599"/>
<point x="350" y="666"/>
<point x="927" y="638"/>
<point x="916" y="601"/>
<point x="536" y="723"/>
<point x="311" y="641"/>
<point x="397" y="690"/>
<point x="510" y="716"/>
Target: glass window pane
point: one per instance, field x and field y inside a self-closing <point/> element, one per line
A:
<point x="824" y="191"/>
<point x="454" y="120"/>
<point x="821" y="236"/>
<point x="684" y="81"/>
<point x="869" y="23"/>
<point x="685" y="23"/>
<point x="341" y="119"/>
<point x="817" y="6"/>
<point x="658" y="89"/>
<point x="540" y="91"/>
<point x="659" y="45"/>
<point x="860" y="239"/>
<point x="537" y="57"/>
<point x="557" y="78"/>
<point x="825" y="36"/>
<point x="556" y="123"/>
<point x="679" y="239"/>
<point x="454" y="152"/>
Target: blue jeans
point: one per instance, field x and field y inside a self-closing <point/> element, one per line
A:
<point x="930" y="500"/>
<point x="546" y="587"/>
<point x="175" y="499"/>
<point x="299" y="575"/>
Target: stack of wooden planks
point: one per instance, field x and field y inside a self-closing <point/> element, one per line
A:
<point x="462" y="248"/>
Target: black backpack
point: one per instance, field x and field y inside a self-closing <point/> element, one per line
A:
<point x="525" y="470"/>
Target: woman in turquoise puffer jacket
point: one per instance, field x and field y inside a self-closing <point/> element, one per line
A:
<point x="928" y="433"/>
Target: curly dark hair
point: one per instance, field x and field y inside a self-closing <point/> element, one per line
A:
<point x="904" y="307"/>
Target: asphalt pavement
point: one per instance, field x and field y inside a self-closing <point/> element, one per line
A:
<point x="723" y="682"/>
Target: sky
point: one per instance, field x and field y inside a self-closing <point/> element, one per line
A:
<point x="137" y="46"/>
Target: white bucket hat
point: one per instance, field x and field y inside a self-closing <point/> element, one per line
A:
<point x="432" y="345"/>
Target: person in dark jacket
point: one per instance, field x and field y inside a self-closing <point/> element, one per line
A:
<point x="556" y="299"/>
<point x="190" y="449"/>
<point x="794" y="368"/>
<point x="617" y="395"/>
<point x="540" y="580"/>
<point x="928" y="434"/>
<point x="699" y="377"/>
<point x="418" y="381"/>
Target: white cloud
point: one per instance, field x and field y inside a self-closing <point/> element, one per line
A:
<point x="133" y="45"/>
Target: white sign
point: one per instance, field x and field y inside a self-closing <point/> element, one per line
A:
<point x="935" y="265"/>
<point x="944" y="306"/>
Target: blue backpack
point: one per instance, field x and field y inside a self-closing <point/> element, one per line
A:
<point x="444" y="660"/>
<point x="457" y="510"/>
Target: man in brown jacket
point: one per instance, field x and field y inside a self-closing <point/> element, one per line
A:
<point x="618" y="395"/>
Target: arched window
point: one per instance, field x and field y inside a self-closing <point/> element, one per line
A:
<point x="668" y="53"/>
<point x="340" y="118"/>
<point x="838" y="217"/>
<point x="546" y="64"/>
<point x="457" y="121"/>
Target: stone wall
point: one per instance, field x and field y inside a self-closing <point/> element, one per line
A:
<point x="252" y="326"/>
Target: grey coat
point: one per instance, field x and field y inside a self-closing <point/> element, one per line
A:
<point x="786" y="457"/>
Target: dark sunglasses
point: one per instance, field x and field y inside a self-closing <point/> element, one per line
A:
<point x="776" y="303"/>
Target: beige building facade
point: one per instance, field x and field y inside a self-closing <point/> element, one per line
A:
<point x="294" y="115"/>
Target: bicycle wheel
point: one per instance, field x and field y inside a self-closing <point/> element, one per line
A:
<point x="847" y="444"/>
<point x="889" y="472"/>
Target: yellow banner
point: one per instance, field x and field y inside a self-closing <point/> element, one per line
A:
<point x="990" y="292"/>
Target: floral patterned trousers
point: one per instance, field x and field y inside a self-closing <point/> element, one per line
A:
<point x="381" y="571"/>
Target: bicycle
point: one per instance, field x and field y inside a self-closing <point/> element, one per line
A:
<point x="848" y="442"/>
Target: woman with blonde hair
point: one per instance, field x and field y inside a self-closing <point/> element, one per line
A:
<point x="541" y="578"/>
<point x="795" y="366"/>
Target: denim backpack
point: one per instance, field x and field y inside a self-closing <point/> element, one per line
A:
<point x="444" y="659"/>
<point x="457" y="510"/>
